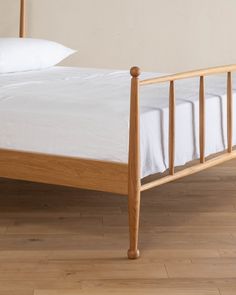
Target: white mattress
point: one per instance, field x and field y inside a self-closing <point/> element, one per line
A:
<point x="85" y="113"/>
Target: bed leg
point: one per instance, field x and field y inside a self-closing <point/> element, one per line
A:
<point x="134" y="182"/>
<point x="134" y="209"/>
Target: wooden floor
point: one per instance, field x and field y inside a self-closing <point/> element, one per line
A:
<point x="60" y="241"/>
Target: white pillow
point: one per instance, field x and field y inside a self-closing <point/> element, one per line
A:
<point x="26" y="54"/>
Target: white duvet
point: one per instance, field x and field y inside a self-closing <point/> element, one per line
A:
<point x="85" y="113"/>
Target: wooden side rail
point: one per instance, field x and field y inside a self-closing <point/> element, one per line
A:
<point x="201" y="73"/>
<point x="203" y="163"/>
<point x="190" y="74"/>
<point x="190" y="170"/>
<point x="62" y="170"/>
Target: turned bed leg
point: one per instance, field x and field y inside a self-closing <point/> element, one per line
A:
<point x="134" y="209"/>
<point x="134" y="182"/>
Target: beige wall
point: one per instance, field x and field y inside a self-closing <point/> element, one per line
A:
<point x="159" y="35"/>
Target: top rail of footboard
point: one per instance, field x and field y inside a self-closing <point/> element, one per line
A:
<point x="190" y="74"/>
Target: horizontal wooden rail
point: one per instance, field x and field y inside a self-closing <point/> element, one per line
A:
<point x="190" y="170"/>
<point x="61" y="170"/>
<point x="190" y="74"/>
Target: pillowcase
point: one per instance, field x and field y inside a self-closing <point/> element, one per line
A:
<point x="27" y="54"/>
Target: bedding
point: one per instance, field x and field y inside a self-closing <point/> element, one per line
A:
<point x="27" y="54"/>
<point x="83" y="112"/>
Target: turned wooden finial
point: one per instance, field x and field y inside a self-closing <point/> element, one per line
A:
<point x="135" y="72"/>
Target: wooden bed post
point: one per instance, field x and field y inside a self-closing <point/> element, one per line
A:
<point x="134" y="181"/>
<point x="22" y="19"/>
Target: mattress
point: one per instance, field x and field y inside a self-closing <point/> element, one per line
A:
<point x="84" y="113"/>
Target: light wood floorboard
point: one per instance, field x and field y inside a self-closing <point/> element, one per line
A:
<point x="64" y="241"/>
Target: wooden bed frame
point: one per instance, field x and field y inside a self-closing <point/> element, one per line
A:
<point x="114" y="177"/>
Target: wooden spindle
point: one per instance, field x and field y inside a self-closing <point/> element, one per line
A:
<point x="22" y="19"/>
<point x="202" y="120"/>
<point x="229" y="112"/>
<point x="171" y="128"/>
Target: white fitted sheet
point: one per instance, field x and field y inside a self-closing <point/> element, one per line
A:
<point x="85" y="113"/>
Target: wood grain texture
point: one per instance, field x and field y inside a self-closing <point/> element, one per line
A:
<point x="68" y="171"/>
<point x="65" y="241"/>
<point x="22" y="19"/>
<point x="190" y="74"/>
<point x="202" y="119"/>
<point x="134" y="181"/>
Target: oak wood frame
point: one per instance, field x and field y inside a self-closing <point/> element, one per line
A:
<point x="114" y="177"/>
<point x="22" y="19"/>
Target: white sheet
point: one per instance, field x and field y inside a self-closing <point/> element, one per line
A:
<point x="85" y="113"/>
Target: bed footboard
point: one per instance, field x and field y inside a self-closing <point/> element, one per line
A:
<point x="134" y="182"/>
